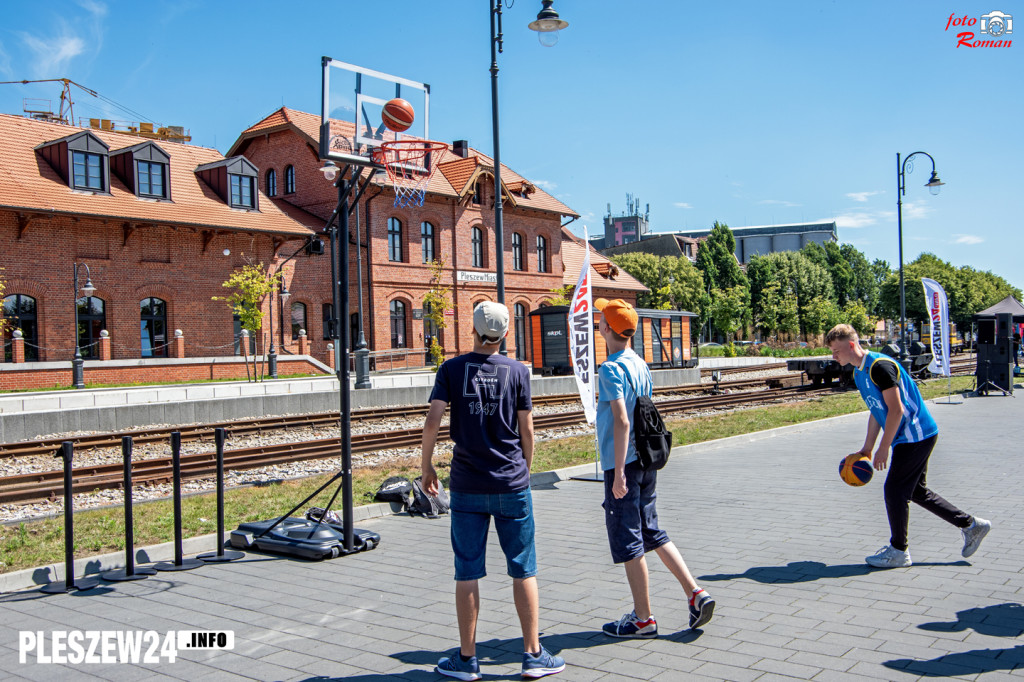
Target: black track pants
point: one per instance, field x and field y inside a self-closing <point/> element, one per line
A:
<point x="906" y="482"/>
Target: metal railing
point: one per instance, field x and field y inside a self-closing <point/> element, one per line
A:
<point x="394" y="359"/>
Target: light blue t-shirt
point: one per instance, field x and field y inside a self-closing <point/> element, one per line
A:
<point x="613" y="384"/>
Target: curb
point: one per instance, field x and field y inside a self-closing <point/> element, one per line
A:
<point x="31" y="578"/>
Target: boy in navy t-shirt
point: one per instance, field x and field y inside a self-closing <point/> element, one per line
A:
<point x="491" y="424"/>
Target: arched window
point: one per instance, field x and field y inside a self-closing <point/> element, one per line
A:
<point x="520" y="327"/>
<point x="427" y="241"/>
<point x="92" y="319"/>
<point x="517" y="251"/>
<point x="153" y="325"/>
<point x="542" y="254"/>
<point x="289" y="180"/>
<point x="298" y="319"/>
<point x="395" y="240"/>
<point x="478" y="192"/>
<point x="271" y="183"/>
<point x="20" y="313"/>
<point x="397" y="314"/>
<point x="478" y="247"/>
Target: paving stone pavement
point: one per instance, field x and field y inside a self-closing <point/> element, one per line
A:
<point x="764" y="522"/>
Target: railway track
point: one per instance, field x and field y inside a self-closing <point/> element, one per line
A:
<point x="260" y="425"/>
<point x="38" y="486"/>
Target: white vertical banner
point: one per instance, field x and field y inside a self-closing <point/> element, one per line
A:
<point x="581" y="336"/>
<point x="938" y="314"/>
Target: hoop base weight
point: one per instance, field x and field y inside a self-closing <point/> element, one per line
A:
<point x="121" y="575"/>
<point x="185" y="565"/>
<point x="213" y="557"/>
<point x="61" y="586"/>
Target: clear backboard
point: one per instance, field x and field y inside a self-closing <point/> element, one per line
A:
<point x="352" y="98"/>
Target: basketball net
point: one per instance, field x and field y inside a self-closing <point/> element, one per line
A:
<point x="409" y="165"/>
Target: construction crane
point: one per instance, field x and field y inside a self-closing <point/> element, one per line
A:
<point x="66" y="115"/>
<point x="141" y="127"/>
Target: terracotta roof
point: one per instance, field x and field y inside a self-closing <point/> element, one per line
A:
<point x="450" y="180"/>
<point x="572" y="260"/>
<point x="29" y="183"/>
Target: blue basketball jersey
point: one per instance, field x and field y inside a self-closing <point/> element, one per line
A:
<point x="917" y="423"/>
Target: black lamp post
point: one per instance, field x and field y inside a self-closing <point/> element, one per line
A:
<point x="933" y="185"/>
<point x="547" y="25"/>
<point x="272" y="354"/>
<point x="78" y="364"/>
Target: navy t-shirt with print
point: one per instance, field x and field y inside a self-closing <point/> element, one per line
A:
<point x="485" y="392"/>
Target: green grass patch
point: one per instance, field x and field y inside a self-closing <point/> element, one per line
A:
<point x="38" y="543"/>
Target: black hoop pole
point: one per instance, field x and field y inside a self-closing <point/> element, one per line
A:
<point x="180" y="563"/>
<point x="67" y="453"/>
<point x="129" y="572"/>
<point x="219" y="436"/>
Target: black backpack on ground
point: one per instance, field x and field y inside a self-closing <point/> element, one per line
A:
<point x="425" y="504"/>
<point x="653" y="441"/>
<point x="397" y="489"/>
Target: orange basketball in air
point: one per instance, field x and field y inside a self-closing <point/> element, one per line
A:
<point x="397" y="115"/>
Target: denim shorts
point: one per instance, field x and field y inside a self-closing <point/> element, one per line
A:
<point x="632" y="521"/>
<point x="513" y="520"/>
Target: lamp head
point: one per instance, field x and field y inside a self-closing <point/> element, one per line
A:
<point x="284" y="292"/>
<point x="330" y="171"/>
<point x="934" y="184"/>
<point x="548" y="24"/>
<point x="88" y="288"/>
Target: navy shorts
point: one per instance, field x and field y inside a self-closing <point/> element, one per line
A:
<point x="513" y="520"/>
<point x="632" y="521"/>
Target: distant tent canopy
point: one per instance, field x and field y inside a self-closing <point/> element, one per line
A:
<point x="1007" y="305"/>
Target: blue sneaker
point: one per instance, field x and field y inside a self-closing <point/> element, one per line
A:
<point x="701" y="610"/>
<point x="453" y="666"/>
<point x="544" y="663"/>
<point x="631" y="626"/>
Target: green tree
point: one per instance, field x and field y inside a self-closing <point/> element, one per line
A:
<point x="880" y="272"/>
<point x="673" y="281"/>
<point x="250" y="284"/>
<point x="716" y="259"/>
<point x="819" y="315"/>
<point x="865" y="289"/>
<point x="730" y="309"/>
<point x="436" y="301"/>
<point x="561" y="295"/>
<point x="855" y="314"/>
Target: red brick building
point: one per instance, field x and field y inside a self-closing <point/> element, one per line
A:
<point x="152" y="220"/>
<point x="161" y="225"/>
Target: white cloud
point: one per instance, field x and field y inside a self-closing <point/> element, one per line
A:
<point x="855" y="220"/>
<point x="682" y="204"/>
<point x="916" y="209"/>
<point x="95" y="8"/>
<point x="545" y="185"/>
<point x="863" y="196"/>
<point x="967" y="239"/>
<point x="53" y="55"/>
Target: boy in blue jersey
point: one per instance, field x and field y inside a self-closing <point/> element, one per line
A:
<point x="492" y="426"/>
<point x="899" y="413"/>
<point x="631" y="517"/>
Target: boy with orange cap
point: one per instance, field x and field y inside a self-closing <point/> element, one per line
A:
<point x="629" y="491"/>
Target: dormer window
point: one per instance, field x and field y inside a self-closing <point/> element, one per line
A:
<point x="151" y="179"/>
<point x="88" y="171"/>
<point x="242" y="191"/>
<point x="144" y="169"/>
<point x="81" y="160"/>
<point x="234" y="180"/>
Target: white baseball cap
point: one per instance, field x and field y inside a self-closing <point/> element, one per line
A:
<point x="490" y="320"/>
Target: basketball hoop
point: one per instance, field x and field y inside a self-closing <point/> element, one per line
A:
<point x="409" y="165"/>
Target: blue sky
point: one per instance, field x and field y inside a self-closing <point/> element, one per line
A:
<point x="762" y="113"/>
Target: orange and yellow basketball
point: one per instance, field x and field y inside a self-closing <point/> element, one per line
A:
<point x="397" y="115"/>
<point x="856" y="469"/>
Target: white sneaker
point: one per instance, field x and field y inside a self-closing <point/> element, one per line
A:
<point x="889" y="557"/>
<point x="974" y="534"/>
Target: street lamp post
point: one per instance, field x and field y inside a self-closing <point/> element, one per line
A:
<point x="547" y="25"/>
<point x="933" y="185"/>
<point x="78" y="364"/>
